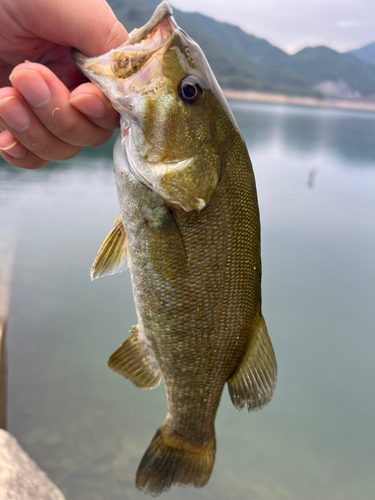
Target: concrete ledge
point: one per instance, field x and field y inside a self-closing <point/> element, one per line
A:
<point x="3" y="374"/>
<point x="20" y="477"/>
<point x="7" y="247"/>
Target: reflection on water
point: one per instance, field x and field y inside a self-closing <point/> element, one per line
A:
<point x="343" y="133"/>
<point x="88" y="428"/>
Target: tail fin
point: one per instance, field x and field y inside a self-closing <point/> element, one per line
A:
<point x="170" y="459"/>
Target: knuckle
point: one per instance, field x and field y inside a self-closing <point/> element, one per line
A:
<point x="70" y="132"/>
<point x="100" y="139"/>
<point x="72" y="154"/>
<point x="46" y="152"/>
<point x="35" y="163"/>
<point x="75" y="135"/>
<point x="53" y="152"/>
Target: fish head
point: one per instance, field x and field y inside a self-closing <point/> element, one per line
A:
<point x="173" y="113"/>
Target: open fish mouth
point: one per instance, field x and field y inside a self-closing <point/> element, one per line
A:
<point x="131" y="58"/>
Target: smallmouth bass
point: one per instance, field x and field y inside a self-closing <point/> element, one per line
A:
<point x="189" y="228"/>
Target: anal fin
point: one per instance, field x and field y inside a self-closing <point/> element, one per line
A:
<point x="253" y="383"/>
<point x="132" y="361"/>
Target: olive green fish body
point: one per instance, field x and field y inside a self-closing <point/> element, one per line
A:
<point x="189" y="226"/>
<point x="196" y="282"/>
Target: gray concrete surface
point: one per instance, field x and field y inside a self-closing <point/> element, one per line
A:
<point x="7" y="249"/>
<point x="20" y="477"/>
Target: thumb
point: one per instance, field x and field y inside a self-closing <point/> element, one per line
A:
<point x="88" y="25"/>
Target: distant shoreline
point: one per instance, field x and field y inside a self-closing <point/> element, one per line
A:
<point x="348" y="104"/>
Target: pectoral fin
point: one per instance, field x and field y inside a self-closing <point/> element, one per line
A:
<point x="133" y="361"/>
<point x="253" y="383"/>
<point x="113" y="255"/>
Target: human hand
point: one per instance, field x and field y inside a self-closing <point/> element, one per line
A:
<point x="49" y="113"/>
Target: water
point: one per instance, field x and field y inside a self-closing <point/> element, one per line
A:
<point x="88" y="428"/>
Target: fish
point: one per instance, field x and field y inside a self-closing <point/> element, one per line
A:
<point x="189" y="231"/>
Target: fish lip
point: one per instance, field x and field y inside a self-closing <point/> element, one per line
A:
<point x="162" y="10"/>
<point x="102" y="63"/>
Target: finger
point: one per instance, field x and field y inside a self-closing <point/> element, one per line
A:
<point x="60" y="62"/>
<point x="91" y="102"/>
<point x="16" y="154"/>
<point x="29" y="162"/>
<point x="10" y="146"/>
<point x="24" y="126"/>
<point x="48" y="98"/>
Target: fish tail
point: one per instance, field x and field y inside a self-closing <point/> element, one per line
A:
<point x="171" y="459"/>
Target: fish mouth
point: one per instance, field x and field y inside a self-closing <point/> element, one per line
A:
<point x="134" y="70"/>
<point x="131" y="57"/>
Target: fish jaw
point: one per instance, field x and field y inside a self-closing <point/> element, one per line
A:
<point x="133" y="69"/>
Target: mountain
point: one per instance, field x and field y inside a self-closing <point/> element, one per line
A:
<point x="321" y="65"/>
<point x="243" y="61"/>
<point x="366" y="53"/>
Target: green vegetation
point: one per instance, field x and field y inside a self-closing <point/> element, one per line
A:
<point x="366" y="53"/>
<point x="244" y="62"/>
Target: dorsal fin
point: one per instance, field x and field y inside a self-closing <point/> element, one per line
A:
<point x="113" y="255"/>
<point x="253" y="383"/>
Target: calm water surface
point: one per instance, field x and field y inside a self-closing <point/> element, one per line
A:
<point x="88" y="428"/>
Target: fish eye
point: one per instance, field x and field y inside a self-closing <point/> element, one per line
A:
<point x="190" y="90"/>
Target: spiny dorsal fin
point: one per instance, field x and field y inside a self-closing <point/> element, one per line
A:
<point x="253" y="383"/>
<point x="113" y="255"/>
<point x="133" y="361"/>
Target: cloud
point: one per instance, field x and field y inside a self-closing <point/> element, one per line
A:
<point x="292" y="24"/>
<point x="353" y="23"/>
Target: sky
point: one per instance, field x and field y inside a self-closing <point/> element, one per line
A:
<point x="294" y="24"/>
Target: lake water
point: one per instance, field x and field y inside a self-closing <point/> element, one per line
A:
<point x="88" y="428"/>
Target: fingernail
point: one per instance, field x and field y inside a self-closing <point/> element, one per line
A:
<point x="14" y="114"/>
<point x="9" y="145"/>
<point x="32" y="86"/>
<point x="89" y="105"/>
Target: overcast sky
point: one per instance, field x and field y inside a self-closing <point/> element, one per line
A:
<point x="294" y="24"/>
